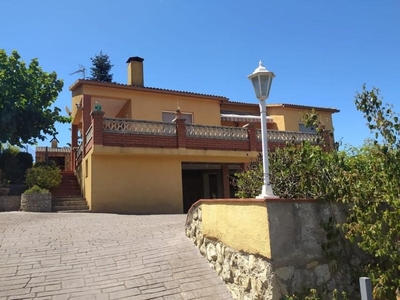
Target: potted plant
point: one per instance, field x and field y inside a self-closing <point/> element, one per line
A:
<point x="36" y="199"/>
<point x="40" y="179"/>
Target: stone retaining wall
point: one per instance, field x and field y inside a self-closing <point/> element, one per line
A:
<point x="36" y="202"/>
<point x="10" y="203"/>
<point x="250" y="276"/>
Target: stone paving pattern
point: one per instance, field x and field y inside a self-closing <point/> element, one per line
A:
<point x="102" y="256"/>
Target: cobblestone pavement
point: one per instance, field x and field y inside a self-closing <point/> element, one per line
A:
<point x="102" y="256"/>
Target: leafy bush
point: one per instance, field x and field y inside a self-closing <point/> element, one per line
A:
<point x="367" y="179"/>
<point x="25" y="159"/>
<point x="36" y="190"/>
<point x="45" y="177"/>
<point x="15" y="163"/>
<point x="312" y="294"/>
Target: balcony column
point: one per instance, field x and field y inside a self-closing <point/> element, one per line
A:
<point x="97" y="127"/>
<point x="251" y="129"/>
<point x="328" y="140"/>
<point x="74" y="144"/>
<point x="225" y="181"/>
<point x="180" y="129"/>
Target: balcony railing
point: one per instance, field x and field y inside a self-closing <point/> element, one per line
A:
<point x="288" y="136"/>
<point x="149" y="134"/>
<point x="138" y="126"/>
<point x="89" y="134"/>
<point x="216" y="132"/>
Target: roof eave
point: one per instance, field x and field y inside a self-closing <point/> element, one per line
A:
<point x="80" y="82"/>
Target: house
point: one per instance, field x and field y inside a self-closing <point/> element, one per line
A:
<point x="60" y="155"/>
<point x="150" y="150"/>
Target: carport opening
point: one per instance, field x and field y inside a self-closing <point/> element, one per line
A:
<point x="207" y="181"/>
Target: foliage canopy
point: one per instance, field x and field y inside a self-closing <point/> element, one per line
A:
<point x="367" y="179"/>
<point x="27" y="95"/>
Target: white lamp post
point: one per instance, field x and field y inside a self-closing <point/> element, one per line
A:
<point x="261" y="79"/>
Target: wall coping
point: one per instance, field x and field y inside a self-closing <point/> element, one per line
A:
<point x="236" y="201"/>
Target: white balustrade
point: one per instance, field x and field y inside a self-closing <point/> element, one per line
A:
<point x="138" y="126"/>
<point x="288" y="136"/>
<point x="216" y="132"/>
<point x="79" y="151"/>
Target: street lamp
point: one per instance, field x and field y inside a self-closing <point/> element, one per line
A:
<point x="261" y="79"/>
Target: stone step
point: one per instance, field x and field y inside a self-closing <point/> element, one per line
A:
<point x="69" y="203"/>
<point x="66" y="195"/>
<point x="67" y="187"/>
<point x="70" y="207"/>
<point x="69" y="198"/>
<point x="74" y="211"/>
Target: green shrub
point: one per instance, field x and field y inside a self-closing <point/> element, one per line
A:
<point x="45" y="177"/>
<point x="14" y="164"/>
<point x="25" y="159"/>
<point x="36" y="190"/>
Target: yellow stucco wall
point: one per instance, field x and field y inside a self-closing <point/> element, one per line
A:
<point x="125" y="111"/>
<point x="289" y="118"/>
<point x="148" y="105"/>
<point x="142" y="180"/>
<point x="250" y="223"/>
<point x="136" y="184"/>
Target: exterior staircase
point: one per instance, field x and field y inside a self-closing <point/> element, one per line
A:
<point x="67" y="197"/>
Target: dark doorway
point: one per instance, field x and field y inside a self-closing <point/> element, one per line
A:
<point x="200" y="181"/>
<point x="60" y="162"/>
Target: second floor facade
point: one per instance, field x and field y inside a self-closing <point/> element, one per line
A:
<point x="133" y="115"/>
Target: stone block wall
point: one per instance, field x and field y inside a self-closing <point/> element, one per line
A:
<point x="10" y="203"/>
<point x="36" y="202"/>
<point x="254" y="276"/>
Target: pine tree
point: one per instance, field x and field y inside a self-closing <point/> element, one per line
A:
<point x="101" y="68"/>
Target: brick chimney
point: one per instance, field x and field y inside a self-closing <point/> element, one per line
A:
<point x="135" y="71"/>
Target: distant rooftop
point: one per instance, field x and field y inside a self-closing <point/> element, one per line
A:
<point x="288" y="105"/>
<point x="54" y="150"/>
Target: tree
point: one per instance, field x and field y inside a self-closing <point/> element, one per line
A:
<point x="27" y="94"/>
<point x="101" y="68"/>
<point x="366" y="179"/>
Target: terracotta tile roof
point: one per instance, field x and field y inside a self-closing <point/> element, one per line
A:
<point x="49" y="149"/>
<point x="137" y="87"/>
<point x="330" y="109"/>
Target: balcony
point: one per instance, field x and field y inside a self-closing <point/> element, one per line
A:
<point x="117" y="132"/>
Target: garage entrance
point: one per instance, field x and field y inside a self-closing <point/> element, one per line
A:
<point x="207" y="181"/>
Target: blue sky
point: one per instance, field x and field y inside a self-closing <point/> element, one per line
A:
<point x="321" y="51"/>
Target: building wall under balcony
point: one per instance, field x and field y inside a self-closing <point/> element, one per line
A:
<point x="136" y="184"/>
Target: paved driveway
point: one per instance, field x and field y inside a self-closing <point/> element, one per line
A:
<point x="101" y="256"/>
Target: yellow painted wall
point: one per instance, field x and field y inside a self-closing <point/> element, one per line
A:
<point x="149" y="105"/>
<point x="250" y="222"/>
<point x="87" y="178"/>
<point x="136" y="184"/>
<point x="125" y="111"/>
<point x="75" y="113"/>
<point x="183" y="155"/>
<point x="288" y="119"/>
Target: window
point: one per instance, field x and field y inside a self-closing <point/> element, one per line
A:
<point x="303" y="128"/>
<point x="86" y="167"/>
<point x="169" y="116"/>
